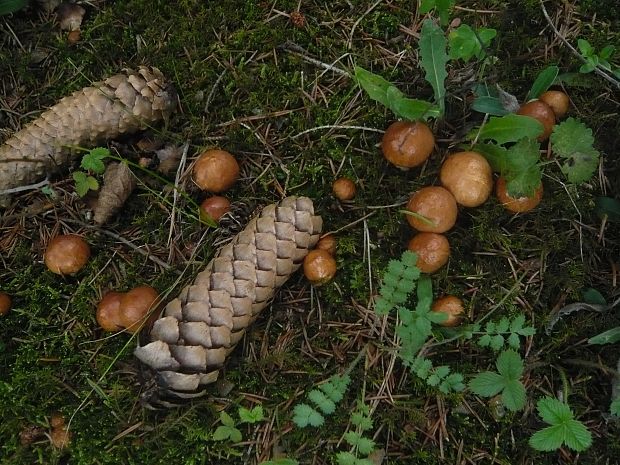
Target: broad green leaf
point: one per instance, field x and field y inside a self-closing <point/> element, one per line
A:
<point x="573" y="141"/>
<point x="547" y="439"/>
<point x="513" y="395"/>
<point x="610" y="336"/>
<point x="607" y="52"/>
<point x="84" y="183"/>
<point x="496" y="156"/>
<point x="465" y="43"/>
<point x="251" y="416"/>
<point x="509" y="364"/>
<point x="577" y="436"/>
<point x="487" y="384"/>
<point x="607" y="207"/>
<point x="11" y="6"/>
<point x="226" y="419"/>
<point x="408" y="108"/>
<point x="592" y="296"/>
<point x="508" y="128"/>
<point x="433" y="59"/>
<point x="585" y="48"/>
<point x="375" y="85"/>
<point x="491" y="105"/>
<point x="442" y="7"/>
<point x="553" y="411"/>
<point x="544" y="80"/>
<point x="223" y="433"/>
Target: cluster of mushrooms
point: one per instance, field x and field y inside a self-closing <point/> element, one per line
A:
<point x="466" y="179"/>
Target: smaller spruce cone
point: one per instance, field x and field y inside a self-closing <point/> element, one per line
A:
<point x="192" y="338"/>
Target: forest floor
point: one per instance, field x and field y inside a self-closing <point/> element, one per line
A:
<point x="271" y="82"/>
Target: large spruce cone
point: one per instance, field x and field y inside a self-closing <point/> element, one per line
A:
<point x="121" y="104"/>
<point x="197" y="330"/>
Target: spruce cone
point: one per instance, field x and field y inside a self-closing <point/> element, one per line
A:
<point x="121" y="104"/>
<point x="197" y="330"/>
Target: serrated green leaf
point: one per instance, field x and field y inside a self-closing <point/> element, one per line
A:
<point x="509" y="364"/>
<point x="363" y="422"/>
<point x="325" y="404"/>
<point x="577" y="436"/>
<point x="573" y="142"/>
<point x="422" y="367"/>
<point x="437" y="317"/>
<point x="365" y="446"/>
<point x="441" y="6"/>
<point x="304" y="415"/>
<point x="93" y="160"/>
<point x="84" y="183"/>
<point x="433" y="59"/>
<point x="517" y="323"/>
<point x="433" y="380"/>
<point x="503" y="324"/>
<point x="514" y="341"/>
<point x="442" y="371"/>
<point x="610" y="336"/>
<point x="527" y="331"/>
<point x="508" y="128"/>
<point x="497" y="342"/>
<point x="345" y="458"/>
<point x="553" y="411"/>
<point x="522" y="170"/>
<point x="425" y="294"/>
<point x="513" y="395"/>
<point x="547" y="439"/>
<point x="352" y="437"/>
<point x="487" y="384"/>
<point x="465" y="43"/>
<point x="251" y="416"/>
<point x="484" y="341"/>
<point x="226" y="419"/>
<point x="543" y="81"/>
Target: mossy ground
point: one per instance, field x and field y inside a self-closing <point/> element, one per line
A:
<point x="243" y="89"/>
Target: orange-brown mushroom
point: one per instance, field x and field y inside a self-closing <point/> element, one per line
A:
<point x="543" y="113"/>
<point x="344" y="189"/>
<point x="432" y="249"/>
<point x="517" y="204"/>
<point x="215" y="207"/>
<point x="66" y="254"/>
<point x="319" y="266"/>
<point x="557" y="100"/>
<point x="135" y="306"/>
<point x="5" y="303"/>
<point x="215" y="170"/>
<point x="469" y="177"/>
<point x="434" y="210"/>
<point x="109" y="312"/>
<point x="451" y="306"/>
<point x="327" y="243"/>
<point x="407" y="144"/>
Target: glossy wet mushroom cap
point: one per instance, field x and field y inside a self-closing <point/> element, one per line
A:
<point x="451" y="306"/>
<point x="66" y="254"/>
<point x="215" y="207"/>
<point x="469" y="177"/>
<point x="557" y="100"/>
<point x="543" y="113"/>
<point x="215" y="171"/>
<point x="434" y="210"/>
<point x="344" y="189"/>
<point x="517" y="204"/>
<point x="407" y="144"/>
<point x="432" y="249"/>
<point x="109" y="312"/>
<point x="135" y="306"/>
<point x="319" y="266"/>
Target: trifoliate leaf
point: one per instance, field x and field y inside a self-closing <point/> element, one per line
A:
<point x="509" y="128"/>
<point x="564" y="428"/>
<point x="577" y="436"/>
<point x="93" y="160"/>
<point x="84" y="183"/>
<point x="513" y="395"/>
<point x="573" y="142"/>
<point x="433" y="59"/>
<point x="547" y="439"/>
<point x="226" y="419"/>
<point x="509" y="364"/>
<point x="487" y="384"/>
<point x="553" y="411"/>
<point x="251" y="416"/>
<point x="304" y="415"/>
<point x="465" y="43"/>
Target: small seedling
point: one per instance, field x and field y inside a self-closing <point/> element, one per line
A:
<point x="507" y="381"/>
<point x="92" y="163"/>
<point x="441" y="7"/>
<point x="564" y="428"/>
<point x="467" y="43"/>
<point x="594" y="59"/>
<point x="324" y="398"/>
<point x="498" y="333"/>
<point x="228" y="429"/>
<point x="361" y="446"/>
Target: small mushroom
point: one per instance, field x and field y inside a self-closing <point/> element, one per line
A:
<point x="469" y="177"/>
<point x="344" y="189"/>
<point x="407" y="144"/>
<point x="109" y="312"/>
<point x="543" y="113"/>
<point x="215" y="171"/>
<point x="66" y="254"/>
<point x="432" y="249"/>
<point x="135" y="306"/>
<point x="319" y="266"/>
<point x="517" y="204"/>
<point x="557" y="100"/>
<point x="215" y="207"/>
<point x="434" y="210"/>
<point x="451" y="306"/>
<point x="70" y="16"/>
<point x="5" y="303"/>
<point x="327" y="243"/>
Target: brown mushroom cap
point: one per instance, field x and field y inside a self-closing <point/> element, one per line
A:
<point x="60" y="437"/>
<point x="453" y="307"/>
<point x="109" y="312"/>
<point x="344" y="189"/>
<point x="437" y="205"/>
<point x="5" y="303"/>
<point x="543" y="113"/>
<point x="557" y="100"/>
<point x="215" y="207"/>
<point x="66" y="254"/>
<point x="215" y="170"/>
<point x="319" y="266"/>
<point x="433" y="251"/>
<point x="520" y="204"/>
<point x="327" y="243"/>
<point x="135" y="305"/>
<point x="407" y="144"/>
<point x="70" y="16"/>
<point x="469" y="177"/>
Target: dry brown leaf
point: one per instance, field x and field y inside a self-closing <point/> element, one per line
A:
<point x="118" y="184"/>
<point x="169" y="158"/>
